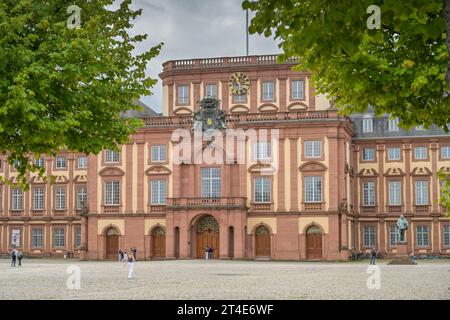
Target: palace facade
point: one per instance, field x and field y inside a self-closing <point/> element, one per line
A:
<point x="320" y="186"/>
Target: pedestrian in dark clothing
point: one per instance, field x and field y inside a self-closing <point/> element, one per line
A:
<point x="373" y="256"/>
<point x="134" y="253"/>
<point x="20" y="257"/>
<point x="13" y="257"/>
<point x="120" y="255"/>
<point x="210" y="253"/>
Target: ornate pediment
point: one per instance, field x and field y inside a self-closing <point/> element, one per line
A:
<point x="182" y="111"/>
<point x="268" y="107"/>
<point x="80" y="178"/>
<point x="111" y="172"/>
<point x="157" y="170"/>
<point x="445" y="169"/>
<point x="61" y="179"/>
<point x="297" y="106"/>
<point x="369" y="172"/>
<point x="239" y="109"/>
<point x="394" y="172"/>
<point x="261" y="167"/>
<point x="37" y="180"/>
<point x="422" y="171"/>
<point x="312" y="166"/>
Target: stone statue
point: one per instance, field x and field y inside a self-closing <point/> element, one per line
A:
<point x="402" y="226"/>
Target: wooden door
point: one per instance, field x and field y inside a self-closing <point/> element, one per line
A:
<point x="159" y="246"/>
<point x="207" y="239"/>
<point x="262" y="245"/>
<point x="314" y="246"/>
<point x="112" y="247"/>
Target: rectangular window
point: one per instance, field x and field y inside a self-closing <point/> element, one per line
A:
<point x="262" y="190"/>
<point x="313" y="149"/>
<point x="268" y="90"/>
<point x="158" y="192"/>
<point x="17" y="199"/>
<point x="422" y="236"/>
<point x="112" y="193"/>
<point x="39" y="162"/>
<point x="211" y="182"/>
<point x="313" y="189"/>
<point x="369" y="235"/>
<point x="81" y="198"/>
<point x="37" y="239"/>
<point x="60" y="198"/>
<point x="446" y="235"/>
<point x="38" y="199"/>
<point x="445" y="152"/>
<point x="159" y="153"/>
<point x="239" y="98"/>
<point x="262" y="150"/>
<point x="420" y="153"/>
<point x="393" y="125"/>
<point x="368" y="154"/>
<point x="77" y="237"/>
<point x="421" y="192"/>
<point x="393" y="235"/>
<point x="112" y="156"/>
<point x="369" y="193"/>
<point x="61" y="163"/>
<point x="59" y="238"/>
<point x="183" y="94"/>
<point x="297" y="90"/>
<point x="393" y="154"/>
<point x="211" y="90"/>
<point x="82" y="162"/>
<point x="367" y="124"/>
<point x="395" y="193"/>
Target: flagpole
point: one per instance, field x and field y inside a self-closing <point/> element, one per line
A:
<point x="246" y="29"/>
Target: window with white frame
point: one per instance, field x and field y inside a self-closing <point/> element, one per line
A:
<point x="393" y="235"/>
<point x="368" y="154"/>
<point x="60" y="198"/>
<point x="112" y="193"/>
<point x="39" y="162"/>
<point x="369" y="236"/>
<point x="77" y="237"/>
<point x="37" y="237"/>
<point x="17" y="199"/>
<point x="158" y="192"/>
<point x="262" y="150"/>
<point x="369" y="193"/>
<point x="38" y="199"/>
<point x="446" y="235"/>
<point x="393" y="125"/>
<point x="420" y="153"/>
<point x="112" y="156"/>
<point x="421" y="192"/>
<point x="395" y="193"/>
<point x="262" y="190"/>
<point x="159" y="153"/>
<point x="239" y="97"/>
<point x="394" y="154"/>
<point x="313" y="149"/>
<point x="82" y="162"/>
<point x="422" y="236"/>
<point x="59" y="238"/>
<point x="268" y="90"/>
<point x="211" y="90"/>
<point x="313" y="189"/>
<point x="298" y="90"/>
<point x="61" y="163"/>
<point x="81" y="197"/>
<point x="445" y="152"/>
<point x="367" y="122"/>
<point x="183" y="94"/>
<point x="211" y="182"/>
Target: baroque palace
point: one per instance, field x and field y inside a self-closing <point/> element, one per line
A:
<point x="338" y="185"/>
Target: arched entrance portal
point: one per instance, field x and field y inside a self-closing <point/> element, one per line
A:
<point x="112" y="243"/>
<point x="208" y="236"/>
<point x="158" y="243"/>
<point x="314" y="243"/>
<point x="262" y="242"/>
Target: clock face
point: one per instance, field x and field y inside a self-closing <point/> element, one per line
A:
<point x="238" y="83"/>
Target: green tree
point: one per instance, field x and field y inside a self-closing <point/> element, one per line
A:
<point x="64" y="86"/>
<point x="399" y="68"/>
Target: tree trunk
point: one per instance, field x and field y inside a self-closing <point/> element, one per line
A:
<point x="447" y="23"/>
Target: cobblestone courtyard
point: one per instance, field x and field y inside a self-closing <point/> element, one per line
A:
<point x="199" y="279"/>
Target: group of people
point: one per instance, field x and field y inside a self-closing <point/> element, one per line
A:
<point x="16" y="255"/>
<point x="128" y="257"/>
<point x="208" y="252"/>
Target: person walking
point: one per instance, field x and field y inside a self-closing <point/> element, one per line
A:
<point x="134" y="253"/>
<point x="373" y="256"/>
<point x="125" y="257"/>
<point x="13" y="257"/>
<point x="120" y="255"/>
<point x="20" y="257"/>
<point x="131" y="261"/>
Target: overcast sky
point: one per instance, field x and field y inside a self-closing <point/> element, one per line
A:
<point x="193" y="29"/>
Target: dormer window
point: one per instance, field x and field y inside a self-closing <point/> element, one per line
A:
<point x="367" y="124"/>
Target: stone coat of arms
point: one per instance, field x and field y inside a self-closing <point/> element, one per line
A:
<point x="209" y="118"/>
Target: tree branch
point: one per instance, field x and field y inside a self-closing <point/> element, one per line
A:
<point x="447" y="41"/>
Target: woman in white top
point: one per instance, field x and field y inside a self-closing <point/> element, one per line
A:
<point x="131" y="260"/>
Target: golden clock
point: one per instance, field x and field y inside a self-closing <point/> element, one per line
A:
<point x="238" y="83"/>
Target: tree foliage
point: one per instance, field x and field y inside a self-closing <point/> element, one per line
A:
<point x="65" y="88"/>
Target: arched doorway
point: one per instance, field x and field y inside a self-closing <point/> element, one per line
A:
<point x="112" y="243"/>
<point x="262" y="242"/>
<point x="177" y="242"/>
<point x="231" y="242"/>
<point x="314" y="243"/>
<point x="158" y="243"/>
<point x="208" y="236"/>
